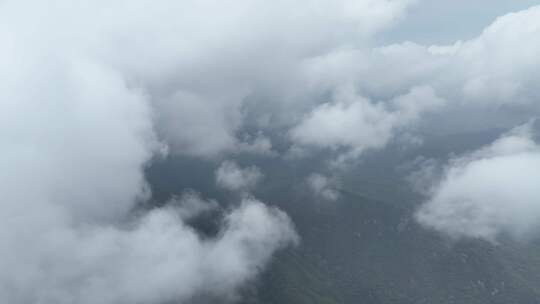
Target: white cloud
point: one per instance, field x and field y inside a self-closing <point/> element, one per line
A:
<point x="207" y="58"/>
<point x="232" y="177"/>
<point x="74" y="139"/>
<point x="501" y="62"/>
<point x="190" y="204"/>
<point x="198" y="125"/>
<point x="90" y="90"/>
<point x="488" y="81"/>
<point x="358" y="124"/>
<point x="260" y="145"/>
<point x="490" y="192"/>
<point x="157" y="260"/>
<point x="196" y="61"/>
<point x="322" y="187"/>
<point x="87" y="88"/>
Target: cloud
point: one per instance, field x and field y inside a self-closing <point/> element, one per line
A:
<point x="425" y="172"/>
<point x="357" y="124"/>
<point x="210" y="58"/>
<point x="75" y="139"/>
<point x="190" y="204"/>
<point x="158" y="259"/>
<point x="232" y="177"/>
<point x="202" y="60"/>
<point x="91" y="91"/>
<point x="322" y="187"/>
<point x="259" y="145"/>
<point x="501" y="61"/>
<point x="491" y="192"/>
<point x="487" y="81"/>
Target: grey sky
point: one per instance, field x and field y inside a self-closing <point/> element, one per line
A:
<point x="446" y="21"/>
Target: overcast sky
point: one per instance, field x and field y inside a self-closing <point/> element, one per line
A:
<point x="443" y="22"/>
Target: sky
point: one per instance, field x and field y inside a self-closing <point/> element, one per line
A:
<point x="92" y="92"/>
<point x="444" y="22"/>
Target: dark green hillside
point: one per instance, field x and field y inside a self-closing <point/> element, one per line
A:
<point x="366" y="251"/>
<point x="366" y="247"/>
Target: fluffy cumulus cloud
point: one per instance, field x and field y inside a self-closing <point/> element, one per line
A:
<point x="190" y="204"/>
<point x="232" y="177"/>
<point x="490" y="78"/>
<point x="489" y="193"/>
<point x="485" y="82"/>
<point x="73" y="148"/>
<point x="322" y="186"/>
<point x="90" y="91"/>
<point x="156" y="259"/>
<point x="75" y="137"/>
<point x="356" y="123"/>
<point x="208" y="58"/>
<point x="502" y="62"/>
<point x="198" y="61"/>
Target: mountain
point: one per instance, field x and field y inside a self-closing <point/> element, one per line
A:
<point x="366" y="247"/>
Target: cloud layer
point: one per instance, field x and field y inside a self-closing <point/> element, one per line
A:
<point x="155" y="260"/>
<point x="232" y="177"/>
<point x="357" y="124"/>
<point x="491" y="192"/>
<point x="487" y="81"/>
<point x="92" y="91"/>
<point x="322" y="187"/>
